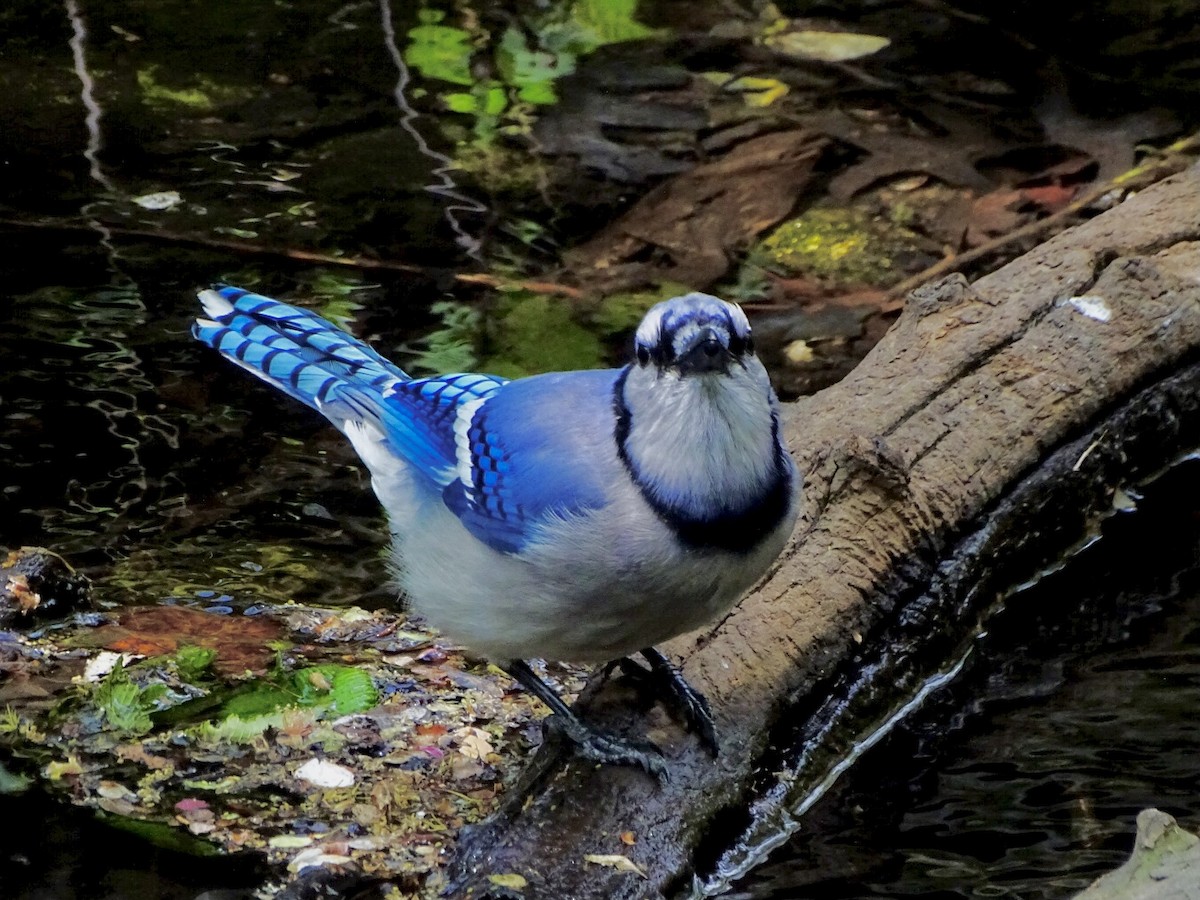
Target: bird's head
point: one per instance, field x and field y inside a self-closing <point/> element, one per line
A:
<point x="695" y="334"/>
<point x="697" y="420"/>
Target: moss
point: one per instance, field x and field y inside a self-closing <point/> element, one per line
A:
<point x="622" y="312"/>
<point x="843" y="245"/>
<point x="533" y="333"/>
<point x="203" y="98"/>
<point x="501" y="170"/>
<point x="161" y="834"/>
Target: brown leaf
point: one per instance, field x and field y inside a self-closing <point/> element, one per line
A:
<point x="685" y="230"/>
<point x="510" y="880"/>
<point x="240" y="642"/>
<point x="137" y="753"/>
<point x="1050" y="197"/>
<point x="950" y="159"/>
<point x="994" y="214"/>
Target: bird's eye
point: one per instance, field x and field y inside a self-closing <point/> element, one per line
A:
<point x="643" y="354"/>
<point x="739" y="346"/>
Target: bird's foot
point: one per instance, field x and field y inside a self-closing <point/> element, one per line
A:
<point x="607" y="749"/>
<point x="588" y="743"/>
<point x="669" y="685"/>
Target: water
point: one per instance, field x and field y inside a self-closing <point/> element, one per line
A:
<point x="129" y="448"/>
<point x="161" y="471"/>
<point x="1023" y="779"/>
<point x="57" y="853"/>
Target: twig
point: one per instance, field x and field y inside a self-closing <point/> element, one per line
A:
<point x="1173" y="159"/>
<point x="308" y="256"/>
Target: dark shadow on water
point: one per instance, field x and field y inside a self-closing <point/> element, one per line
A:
<point x="52" y="852"/>
<point x="1023" y="778"/>
<point x="129" y="448"/>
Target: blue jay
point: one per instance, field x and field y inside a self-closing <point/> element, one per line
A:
<point x="577" y="516"/>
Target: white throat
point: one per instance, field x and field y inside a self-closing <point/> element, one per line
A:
<point x="702" y="442"/>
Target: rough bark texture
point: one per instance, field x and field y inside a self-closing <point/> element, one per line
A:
<point x="1008" y="402"/>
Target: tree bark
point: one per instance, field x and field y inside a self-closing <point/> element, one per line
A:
<point x="984" y="432"/>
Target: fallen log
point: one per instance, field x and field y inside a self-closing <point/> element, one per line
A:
<point x="977" y="440"/>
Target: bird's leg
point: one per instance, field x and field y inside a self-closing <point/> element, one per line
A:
<point x="587" y="742"/>
<point x="669" y="685"/>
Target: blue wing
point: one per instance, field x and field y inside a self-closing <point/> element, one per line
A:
<point x="542" y="448"/>
<point x="507" y="460"/>
<point x="323" y="367"/>
<point x="431" y="405"/>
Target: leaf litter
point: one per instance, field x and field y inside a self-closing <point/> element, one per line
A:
<point x="168" y="719"/>
<point x="344" y="739"/>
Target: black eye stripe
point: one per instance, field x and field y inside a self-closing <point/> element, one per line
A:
<point x="663" y="351"/>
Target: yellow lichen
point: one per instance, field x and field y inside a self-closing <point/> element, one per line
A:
<point x="842" y="245"/>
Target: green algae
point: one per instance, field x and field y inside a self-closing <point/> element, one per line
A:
<point x="205" y="96"/>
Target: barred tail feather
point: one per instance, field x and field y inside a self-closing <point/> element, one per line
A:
<point x="293" y="349"/>
<point x="384" y="413"/>
<point x="302" y="355"/>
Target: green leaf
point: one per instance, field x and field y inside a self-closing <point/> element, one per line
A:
<point x="125" y="706"/>
<point x="348" y="689"/>
<point x="538" y="94"/>
<point x="495" y="101"/>
<point x="160" y="834"/>
<point x="611" y="20"/>
<point x="531" y="71"/>
<point x="193" y="662"/>
<point x="442" y="52"/>
<point x="236" y="730"/>
<point x="461" y="103"/>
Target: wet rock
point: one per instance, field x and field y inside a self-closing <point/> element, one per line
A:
<point x="38" y="584"/>
<point x="1165" y="864"/>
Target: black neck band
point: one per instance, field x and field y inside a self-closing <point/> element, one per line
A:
<point x="736" y="529"/>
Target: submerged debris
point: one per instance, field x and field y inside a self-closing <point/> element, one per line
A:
<point x="36" y="583"/>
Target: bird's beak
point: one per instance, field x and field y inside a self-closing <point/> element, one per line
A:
<point x="707" y="354"/>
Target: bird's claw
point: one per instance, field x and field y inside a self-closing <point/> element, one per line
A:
<point x="608" y="749"/>
<point x="669" y="685"/>
<point x="697" y="715"/>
